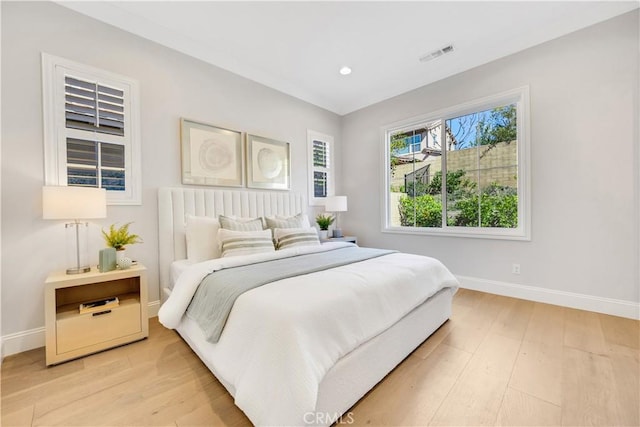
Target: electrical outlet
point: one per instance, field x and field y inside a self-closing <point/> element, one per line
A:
<point x="515" y="268"/>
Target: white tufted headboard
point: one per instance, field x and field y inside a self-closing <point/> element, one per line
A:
<point x="174" y="203"/>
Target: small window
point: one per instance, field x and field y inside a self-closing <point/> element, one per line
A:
<point x="92" y="136"/>
<point x="321" y="169"/>
<point x="461" y="171"/>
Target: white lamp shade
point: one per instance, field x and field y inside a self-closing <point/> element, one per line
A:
<point x="73" y="202"/>
<point x="336" y="204"/>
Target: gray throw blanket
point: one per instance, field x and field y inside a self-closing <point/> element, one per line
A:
<point x="212" y="302"/>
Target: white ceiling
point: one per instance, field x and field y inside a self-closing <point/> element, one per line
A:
<point x="298" y="47"/>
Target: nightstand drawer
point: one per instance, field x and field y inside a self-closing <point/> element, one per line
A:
<point x="83" y="330"/>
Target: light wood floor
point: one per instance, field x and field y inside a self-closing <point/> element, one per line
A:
<point x="498" y="361"/>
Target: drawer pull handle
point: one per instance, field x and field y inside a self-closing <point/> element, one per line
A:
<point x="100" y="313"/>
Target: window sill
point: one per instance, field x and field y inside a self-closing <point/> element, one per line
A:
<point x="473" y="233"/>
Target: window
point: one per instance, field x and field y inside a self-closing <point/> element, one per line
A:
<point x="321" y="172"/>
<point x="461" y="171"/>
<point x="408" y="144"/>
<point x="91" y="123"/>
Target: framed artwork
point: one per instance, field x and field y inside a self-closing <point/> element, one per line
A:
<point x="268" y="163"/>
<point x="211" y="155"/>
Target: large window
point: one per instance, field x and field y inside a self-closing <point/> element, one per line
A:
<point x="461" y="171"/>
<point x="92" y="136"/>
<point x="321" y="168"/>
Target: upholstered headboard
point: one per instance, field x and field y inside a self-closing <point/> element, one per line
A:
<point x="174" y="203"/>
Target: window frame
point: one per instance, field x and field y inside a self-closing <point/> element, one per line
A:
<point x="55" y="131"/>
<point x="330" y="170"/>
<point x="518" y="96"/>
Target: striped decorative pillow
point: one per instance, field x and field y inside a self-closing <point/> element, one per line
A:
<point x="292" y="237"/>
<point x="292" y="222"/>
<point x="240" y="224"/>
<point x="234" y="243"/>
<point x="297" y="221"/>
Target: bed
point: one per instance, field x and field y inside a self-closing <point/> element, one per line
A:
<point x="311" y="374"/>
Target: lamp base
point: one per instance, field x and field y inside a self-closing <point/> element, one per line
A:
<point x="78" y="270"/>
<point x="337" y="233"/>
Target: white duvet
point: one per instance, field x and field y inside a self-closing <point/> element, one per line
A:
<point x="282" y="338"/>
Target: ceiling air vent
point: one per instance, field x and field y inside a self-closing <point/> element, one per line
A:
<point x="436" y="53"/>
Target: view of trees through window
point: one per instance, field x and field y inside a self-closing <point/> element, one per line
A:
<point x="481" y="163"/>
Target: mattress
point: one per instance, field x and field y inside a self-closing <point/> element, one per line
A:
<point x="177" y="268"/>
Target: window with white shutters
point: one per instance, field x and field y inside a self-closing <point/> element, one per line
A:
<point x="320" y="167"/>
<point x="92" y="136"/>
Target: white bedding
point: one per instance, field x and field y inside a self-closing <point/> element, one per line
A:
<point x="281" y="338"/>
<point x="176" y="270"/>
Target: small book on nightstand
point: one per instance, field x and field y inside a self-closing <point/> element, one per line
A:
<point x="99" y="305"/>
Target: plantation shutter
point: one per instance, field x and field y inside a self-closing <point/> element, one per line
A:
<point x="320" y="154"/>
<point x="320" y="166"/>
<point x="90" y="163"/>
<point x="93" y="107"/>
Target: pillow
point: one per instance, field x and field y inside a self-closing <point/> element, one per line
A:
<point x="240" y="224"/>
<point x="202" y="238"/>
<point x="292" y="237"/>
<point x="300" y="220"/>
<point x="234" y="243"/>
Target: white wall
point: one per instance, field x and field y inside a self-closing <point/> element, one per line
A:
<point x="584" y="159"/>
<point x="172" y="86"/>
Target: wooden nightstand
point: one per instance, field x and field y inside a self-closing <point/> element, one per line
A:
<point x="351" y="239"/>
<point x="71" y="335"/>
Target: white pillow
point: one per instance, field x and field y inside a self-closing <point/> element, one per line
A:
<point x="292" y="237"/>
<point x="202" y="238"/>
<point x="234" y="243"/>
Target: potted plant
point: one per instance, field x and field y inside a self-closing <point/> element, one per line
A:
<point x="118" y="238"/>
<point x="324" y="221"/>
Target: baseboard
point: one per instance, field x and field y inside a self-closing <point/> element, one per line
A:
<point x="614" y="307"/>
<point x="22" y="341"/>
<point x="35" y="338"/>
<point x="154" y="306"/>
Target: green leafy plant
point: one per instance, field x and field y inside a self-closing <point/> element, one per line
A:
<point x="457" y="184"/>
<point x="324" y="221"/>
<point x="118" y="238"/>
<point x="421" y="211"/>
<point x="496" y="210"/>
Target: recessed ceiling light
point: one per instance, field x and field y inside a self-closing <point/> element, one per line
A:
<point x="345" y="71"/>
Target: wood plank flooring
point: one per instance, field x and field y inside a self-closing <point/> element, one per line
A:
<point x="498" y="361"/>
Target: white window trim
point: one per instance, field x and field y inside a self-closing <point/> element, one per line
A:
<point x="55" y="166"/>
<point x="519" y="96"/>
<point x="317" y="136"/>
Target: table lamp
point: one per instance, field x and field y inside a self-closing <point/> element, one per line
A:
<point x="336" y="204"/>
<point x="75" y="203"/>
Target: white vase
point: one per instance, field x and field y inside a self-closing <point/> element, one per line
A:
<point x="323" y="234"/>
<point x="120" y="255"/>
